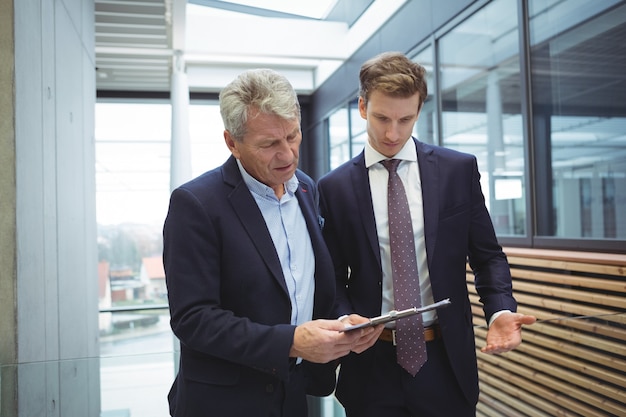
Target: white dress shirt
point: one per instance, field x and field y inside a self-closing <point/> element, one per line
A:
<point x="408" y="171"/>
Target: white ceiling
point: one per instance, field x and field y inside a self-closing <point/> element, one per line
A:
<point x="137" y="40"/>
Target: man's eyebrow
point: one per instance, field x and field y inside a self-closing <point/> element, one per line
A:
<point x="272" y="139"/>
<point x="406" y="116"/>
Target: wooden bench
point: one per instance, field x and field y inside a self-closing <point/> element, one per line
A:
<point x="572" y="362"/>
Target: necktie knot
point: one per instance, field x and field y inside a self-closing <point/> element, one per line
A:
<point x="391" y="164"/>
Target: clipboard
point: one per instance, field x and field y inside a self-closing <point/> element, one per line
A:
<point x="395" y="315"/>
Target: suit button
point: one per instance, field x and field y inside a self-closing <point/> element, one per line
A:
<point x="269" y="388"/>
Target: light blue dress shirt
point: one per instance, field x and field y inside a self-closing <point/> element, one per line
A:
<point x="290" y="235"/>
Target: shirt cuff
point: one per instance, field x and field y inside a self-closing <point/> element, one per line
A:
<point x="496" y="315"/>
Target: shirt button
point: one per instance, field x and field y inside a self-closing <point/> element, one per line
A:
<point x="269" y="388"/>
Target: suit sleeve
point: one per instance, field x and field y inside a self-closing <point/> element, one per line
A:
<point x="342" y="304"/>
<point x="486" y="258"/>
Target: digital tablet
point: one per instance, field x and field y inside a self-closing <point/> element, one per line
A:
<point x="395" y="315"/>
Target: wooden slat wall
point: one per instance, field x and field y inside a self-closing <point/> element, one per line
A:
<point x="572" y="362"/>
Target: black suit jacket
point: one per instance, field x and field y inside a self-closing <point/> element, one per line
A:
<point x="457" y="227"/>
<point x="228" y="299"/>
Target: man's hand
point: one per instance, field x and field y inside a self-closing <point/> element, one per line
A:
<point x="505" y="333"/>
<point x="321" y="341"/>
<point x="367" y="338"/>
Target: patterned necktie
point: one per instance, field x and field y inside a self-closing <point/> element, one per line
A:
<point x="411" y="348"/>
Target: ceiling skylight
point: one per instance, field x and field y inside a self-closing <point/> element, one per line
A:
<point x="316" y="9"/>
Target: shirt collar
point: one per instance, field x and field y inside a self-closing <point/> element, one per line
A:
<point x="257" y="187"/>
<point x="407" y="153"/>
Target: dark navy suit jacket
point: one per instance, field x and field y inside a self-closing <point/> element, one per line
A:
<point x="457" y="228"/>
<point x="228" y="299"/>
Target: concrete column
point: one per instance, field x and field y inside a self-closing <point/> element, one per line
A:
<point x="48" y="259"/>
<point x="8" y="268"/>
<point x="180" y="159"/>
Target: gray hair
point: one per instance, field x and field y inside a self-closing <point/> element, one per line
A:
<point x="259" y="89"/>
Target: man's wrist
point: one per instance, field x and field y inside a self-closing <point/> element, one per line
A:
<point x="497" y="314"/>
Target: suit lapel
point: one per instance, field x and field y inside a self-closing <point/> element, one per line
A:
<point x="429" y="174"/>
<point x="324" y="286"/>
<point x="250" y="216"/>
<point x="305" y="200"/>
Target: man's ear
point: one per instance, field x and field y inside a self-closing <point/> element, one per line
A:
<point x="419" y="110"/>
<point x="362" y="107"/>
<point x="231" y="143"/>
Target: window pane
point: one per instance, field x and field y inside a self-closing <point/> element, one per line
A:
<point x="339" y="137"/>
<point x="358" y="129"/>
<point x="578" y="90"/>
<point x="133" y="187"/>
<point x="132" y="193"/>
<point x="424" y="129"/>
<point x="480" y="79"/>
<point x="132" y="162"/>
<point x="206" y="131"/>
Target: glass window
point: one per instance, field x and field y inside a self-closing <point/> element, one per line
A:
<point x="424" y="129"/>
<point x="339" y="137"/>
<point x="132" y="191"/>
<point x="206" y="133"/>
<point x="132" y="161"/>
<point x="481" y="110"/>
<point x="579" y="128"/>
<point x="132" y="194"/>
<point x="358" y="128"/>
<point x="133" y="187"/>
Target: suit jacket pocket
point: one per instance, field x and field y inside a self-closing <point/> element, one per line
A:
<point x="209" y="370"/>
<point x="450" y="212"/>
